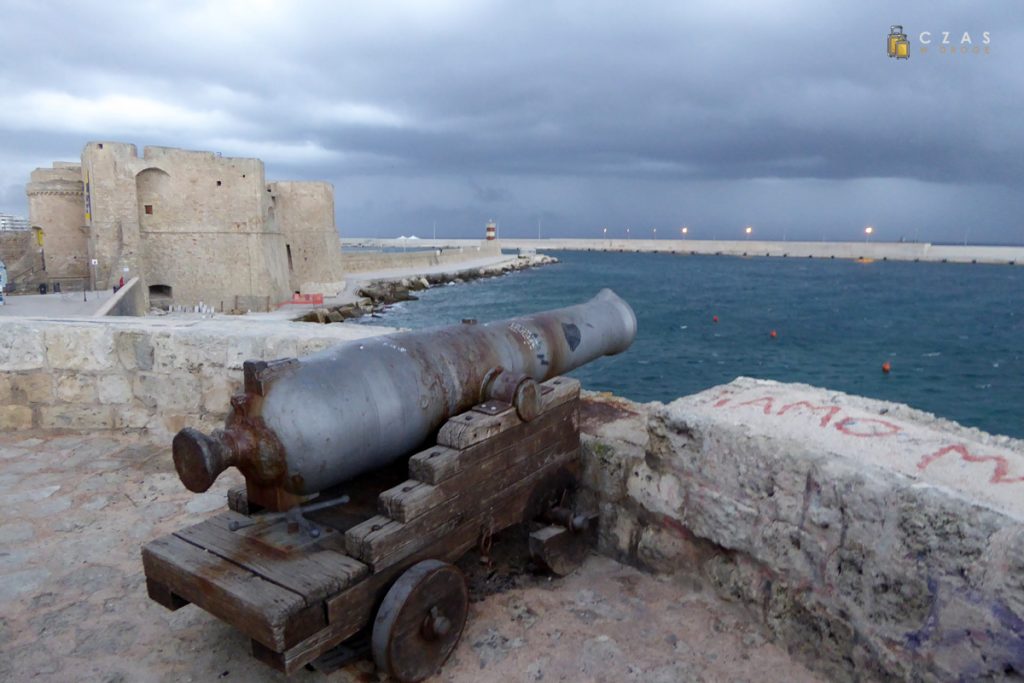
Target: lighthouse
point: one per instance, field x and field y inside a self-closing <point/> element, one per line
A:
<point x="492" y="231"/>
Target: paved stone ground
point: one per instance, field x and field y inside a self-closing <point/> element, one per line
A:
<point x="76" y="510"/>
<point x="59" y="305"/>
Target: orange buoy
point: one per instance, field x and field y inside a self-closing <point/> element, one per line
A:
<point x="886" y="367"/>
<point x="714" y="319"/>
<point x="773" y="334"/>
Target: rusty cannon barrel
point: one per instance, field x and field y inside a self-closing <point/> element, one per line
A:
<point x="304" y="425"/>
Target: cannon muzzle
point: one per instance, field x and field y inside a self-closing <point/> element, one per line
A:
<point x="305" y="425"/>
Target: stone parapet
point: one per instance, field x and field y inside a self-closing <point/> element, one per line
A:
<point x="135" y="374"/>
<point x="876" y="541"/>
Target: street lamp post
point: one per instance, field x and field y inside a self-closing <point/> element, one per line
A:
<point x="627" y="233"/>
<point x="748" y="230"/>
<point x="684" y="230"/>
<point x="654" y="232"/>
<point x="867" y="233"/>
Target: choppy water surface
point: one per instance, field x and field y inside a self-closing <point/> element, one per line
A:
<point x="954" y="333"/>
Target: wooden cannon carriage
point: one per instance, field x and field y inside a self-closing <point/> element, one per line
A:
<point x="373" y="557"/>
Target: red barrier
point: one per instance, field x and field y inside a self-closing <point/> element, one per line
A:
<point x="306" y="299"/>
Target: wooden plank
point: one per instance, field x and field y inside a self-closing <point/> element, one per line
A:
<point x="293" y="571"/>
<point x="391" y="541"/>
<point x="434" y="466"/>
<point x="396" y="503"/>
<point x="559" y="390"/>
<point x="238" y="500"/>
<point x="462" y="431"/>
<point x="479" y="468"/>
<point x="160" y="593"/>
<point x="264" y="611"/>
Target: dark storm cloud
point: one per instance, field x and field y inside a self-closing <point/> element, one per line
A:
<point x="576" y="114"/>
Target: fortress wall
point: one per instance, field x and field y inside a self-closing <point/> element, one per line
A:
<point x="304" y="214"/>
<point x="876" y="542"/>
<point x="108" y="169"/>
<point x="20" y="254"/>
<point x="192" y="221"/>
<point x="362" y="262"/>
<point x="56" y="203"/>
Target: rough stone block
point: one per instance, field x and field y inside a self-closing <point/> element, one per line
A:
<point x="166" y="392"/>
<point x="76" y="388"/>
<point x="133" y="417"/>
<point x="75" y="417"/>
<point x="134" y="349"/>
<point x="659" y="493"/>
<point x="218" y="387"/>
<point x="606" y="467"/>
<point x="79" y="347"/>
<point x="114" y="389"/>
<point x="36" y="387"/>
<point x="15" y="417"/>
<point x="22" y="347"/>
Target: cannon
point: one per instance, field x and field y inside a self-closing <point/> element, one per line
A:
<point x="371" y="468"/>
<point x="304" y="425"/>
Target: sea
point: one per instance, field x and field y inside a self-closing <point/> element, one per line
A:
<point x="953" y="334"/>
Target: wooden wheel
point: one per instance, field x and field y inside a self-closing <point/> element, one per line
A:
<point x="420" y="621"/>
<point x="562" y="543"/>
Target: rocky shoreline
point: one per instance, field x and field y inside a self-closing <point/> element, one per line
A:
<point x="376" y="295"/>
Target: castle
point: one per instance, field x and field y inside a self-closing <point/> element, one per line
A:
<point x="193" y="226"/>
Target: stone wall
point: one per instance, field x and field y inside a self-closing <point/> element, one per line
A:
<point x="304" y="213"/>
<point x="20" y="253"/>
<point x="877" y="542"/>
<point x="362" y="262"/>
<point x="123" y="373"/>
<point x="56" y="204"/>
<point x="193" y="222"/>
<point x="194" y="226"/>
<point x="129" y="300"/>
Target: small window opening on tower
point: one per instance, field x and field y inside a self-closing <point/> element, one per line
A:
<point x="290" y="267"/>
<point x="100" y="145"/>
<point x="149" y="209"/>
<point x="218" y="183"/>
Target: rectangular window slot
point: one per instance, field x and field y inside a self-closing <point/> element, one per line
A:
<point x="149" y="209"/>
<point x="218" y="183"/>
<point x="289" y="248"/>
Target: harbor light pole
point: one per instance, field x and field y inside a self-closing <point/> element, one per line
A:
<point x="867" y="233"/>
<point x="683" y="231"/>
<point x="748" y="230"/>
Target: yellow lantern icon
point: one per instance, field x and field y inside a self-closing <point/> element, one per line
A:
<point x="898" y="45"/>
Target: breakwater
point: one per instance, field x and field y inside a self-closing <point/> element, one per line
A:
<point x="881" y="251"/>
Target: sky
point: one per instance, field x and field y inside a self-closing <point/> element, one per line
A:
<point x="557" y="118"/>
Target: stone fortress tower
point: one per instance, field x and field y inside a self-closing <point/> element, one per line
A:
<point x="193" y="226"/>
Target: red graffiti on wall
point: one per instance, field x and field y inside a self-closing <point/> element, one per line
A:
<point x="1000" y="475"/>
<point x="850" y="426"/>
<point x="866" y="426"/>
<point x="830" y="411"/>
<point x="872" y="427"/>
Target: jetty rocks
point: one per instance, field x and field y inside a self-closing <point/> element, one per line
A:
<point x="376" y="295"/>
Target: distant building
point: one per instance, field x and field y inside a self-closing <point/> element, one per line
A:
<point x="9" y="222"/>
<point x="194" y="226"/>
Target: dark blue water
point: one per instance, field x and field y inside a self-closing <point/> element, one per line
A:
<point x="954" y="333"/>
